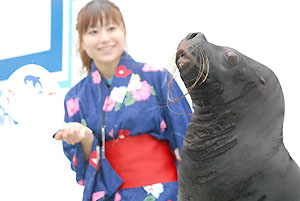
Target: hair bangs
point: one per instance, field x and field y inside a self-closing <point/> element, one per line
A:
<point x="95" y="12"/>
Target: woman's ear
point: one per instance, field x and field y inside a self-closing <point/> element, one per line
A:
<point x="81" y="45"/>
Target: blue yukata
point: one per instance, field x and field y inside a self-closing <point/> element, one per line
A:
<point x="134" y="102"/>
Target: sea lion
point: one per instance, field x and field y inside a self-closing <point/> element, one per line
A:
<point x="233" y="149"/>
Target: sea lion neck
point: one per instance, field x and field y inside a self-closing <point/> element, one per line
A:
<point x="209" y="132"/>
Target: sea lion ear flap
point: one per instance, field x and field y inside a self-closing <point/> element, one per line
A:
<point x="232" y="58"/>
<point x="262" y="80"/>
<point x="262" y="83"/>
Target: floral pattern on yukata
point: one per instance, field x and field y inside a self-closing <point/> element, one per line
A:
<point x="150" y="68"/>
<point x="122" y="71"/>
<point x="163" y="126"/>
<point x="94" y="159"/>
<point x="137" y="90"/>
<point x="72" y="106"/>
<point x="98" y="195"/>
<point x="96" y="77"/>
<point x="137" y="87"/>
<point x="155" y="190"/>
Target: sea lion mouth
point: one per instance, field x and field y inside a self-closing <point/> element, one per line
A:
<point x="182" y="59"/>
<point x="193" y="64"/>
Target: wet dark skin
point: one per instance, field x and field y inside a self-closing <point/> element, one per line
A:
<point x="233" y="149"/>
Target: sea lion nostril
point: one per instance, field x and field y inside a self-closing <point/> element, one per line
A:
<point x="191" y="36"/>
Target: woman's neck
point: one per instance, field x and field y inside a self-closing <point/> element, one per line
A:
<point x="107" y="70"/>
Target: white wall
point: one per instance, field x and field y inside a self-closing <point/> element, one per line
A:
<point x="267" y="31"/>
<point x="33" y="164"/>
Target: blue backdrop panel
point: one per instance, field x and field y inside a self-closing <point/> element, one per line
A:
<point x="52" y="59"/>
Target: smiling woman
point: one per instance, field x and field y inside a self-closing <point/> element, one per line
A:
<point x="101" y="28"/>
<point x="121" y="138"/>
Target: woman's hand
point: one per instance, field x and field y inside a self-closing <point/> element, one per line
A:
<point x="74" y="132"/>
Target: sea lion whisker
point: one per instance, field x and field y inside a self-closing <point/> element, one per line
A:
<point x="200" y="72"/>
<point x="204" y="65"/>
<point x="172" y="66"/>
<point x="172" y="99"/>
<point x="188" y="69"/>
<point x="191" y="57"/>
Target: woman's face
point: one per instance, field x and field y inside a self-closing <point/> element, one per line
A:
<point x="104" y="44"/>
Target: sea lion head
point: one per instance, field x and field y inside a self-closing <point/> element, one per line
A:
<point x="220" y="69"/>
<point x="222" y="77"/>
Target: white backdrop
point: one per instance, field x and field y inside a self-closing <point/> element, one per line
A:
<point x="267" y="31"/>
<point x="33" y="165"/>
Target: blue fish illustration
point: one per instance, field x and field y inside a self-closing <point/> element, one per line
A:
<point x="34" y="80"/>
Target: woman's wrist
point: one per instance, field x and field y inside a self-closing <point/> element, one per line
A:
<point x="87" y="143"/>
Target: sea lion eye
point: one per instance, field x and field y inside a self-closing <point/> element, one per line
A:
<point x="232" y="58"/>
<point x="180" y="54"/>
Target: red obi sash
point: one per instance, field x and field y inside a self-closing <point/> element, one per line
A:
<point x="141" y="160"/>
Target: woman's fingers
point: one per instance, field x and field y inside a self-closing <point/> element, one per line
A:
<point x="58" y="135"/>
<point x="72" y="133"/>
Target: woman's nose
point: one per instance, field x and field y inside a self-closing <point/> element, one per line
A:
<point x="104" y="36"/>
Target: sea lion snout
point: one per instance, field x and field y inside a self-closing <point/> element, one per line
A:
<point x="191" y="60"/>
<point x="186" y="46"/>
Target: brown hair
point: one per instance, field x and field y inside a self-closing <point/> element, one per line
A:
<point x="102" y="10"/>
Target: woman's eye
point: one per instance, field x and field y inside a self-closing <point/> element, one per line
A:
<point x="111" y="28"/>
<point x="92" y="32"/>
<point x="232" y="58"/>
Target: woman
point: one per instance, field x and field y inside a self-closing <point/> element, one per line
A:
<point x="124" y="104"/>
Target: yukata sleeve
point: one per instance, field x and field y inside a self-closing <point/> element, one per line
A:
<point x="176" y="112"/>
<point x="74" y="113"/>
<point x="96" y="172"/>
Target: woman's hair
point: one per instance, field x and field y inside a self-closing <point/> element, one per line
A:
<point x="102" y="10"/>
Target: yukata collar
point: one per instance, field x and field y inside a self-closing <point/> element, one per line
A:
<point x="121" y="76"/>
<point x="125" y="57"/>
